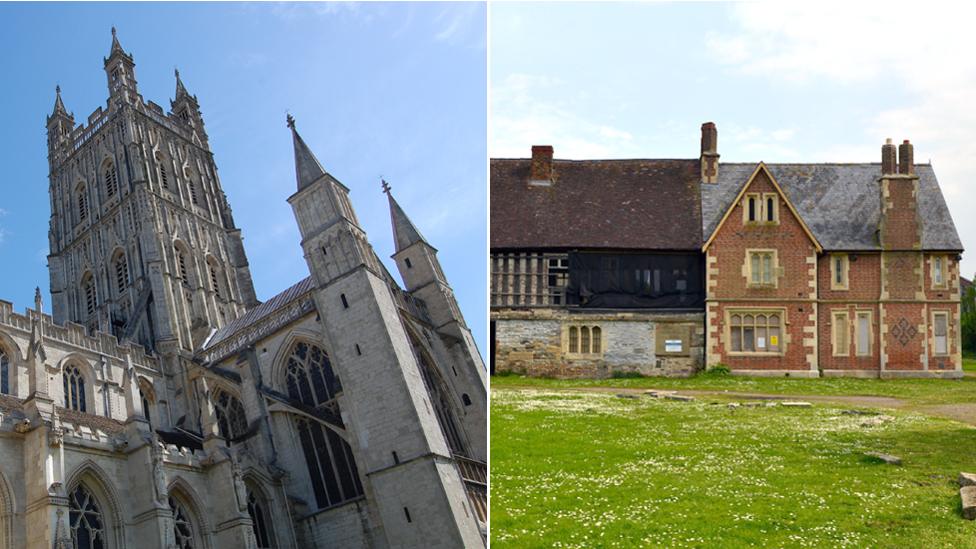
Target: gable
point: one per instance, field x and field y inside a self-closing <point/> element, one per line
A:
<point x="761" y="181"/>
<point x="840" y="203"/>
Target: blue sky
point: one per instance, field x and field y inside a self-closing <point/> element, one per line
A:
<point x="391" y="90"/>
<point x="784" y="82"/>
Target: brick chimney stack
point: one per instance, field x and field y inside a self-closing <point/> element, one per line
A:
<point x="900" y="227"/>
<point x="906" y="158"/>
<point x="889" y="158"/>
<point x="541" y="165"/>
<point x="709" y="153"/>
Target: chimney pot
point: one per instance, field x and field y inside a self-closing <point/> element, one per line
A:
<point x="906" y="158"/>
<point x="889" y="158"/>
<point x="541" y="164"/>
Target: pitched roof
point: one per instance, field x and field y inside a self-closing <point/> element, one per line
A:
<point x="623" y="204"/>
<point x="839" y="202"/>
<point x="263" y="310"/>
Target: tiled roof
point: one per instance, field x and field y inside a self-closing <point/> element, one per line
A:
<point x="841" y="203"/>
<point x="638" y="204"/>
<point x="261" y="311"/>
<point x="107" y="425"/>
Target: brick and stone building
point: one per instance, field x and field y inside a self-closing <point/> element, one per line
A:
<point x="162" y="405"/>
<point x="809" y="269"/>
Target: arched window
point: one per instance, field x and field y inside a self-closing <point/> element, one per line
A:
<point x="111" y="179"/>
<point x="181" y="266"/>
<point x="121" y="272"/>
<point x="440" y="398"/>
<point x="82" y="202"/>
<point x="231" y="419"/>
<point x="310" y="378"/>
<point x="194" y="197"/>
<point x="4" y="372"/>
<point x="331" y="466"/>
<point x="91" y="293"/>
<point x="85" y="520"/>
<point x="257" y="507"/>
<point x="182" y="526"/>
<point x="214" y="276"/>
<point x="163" y="176"/>
<point x="74" y="388"/>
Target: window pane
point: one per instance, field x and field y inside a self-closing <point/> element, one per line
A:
<point x="573" y="339"/>
<point x="748" y="343"/>
<point x="752" y="209"/>
<point x="767" y="270"/>
<point x="584" y="340"/>
<point x="755" y="268"/>
<point x="760" y="337"/>
<point x="736" y="339"/>
<point x="596" y="339"/>
<point x="770" y="209"/>
<point x="774" y="342"/>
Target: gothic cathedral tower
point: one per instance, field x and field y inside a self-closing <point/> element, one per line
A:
<point x="142" y="241"/>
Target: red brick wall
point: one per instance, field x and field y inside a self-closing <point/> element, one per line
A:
<point x="899" y="222"/>
<point x="904" y="350"/>
<point x="863" y="276"/>
<point x="793" y="291"/>
<point x="850" y="362"/>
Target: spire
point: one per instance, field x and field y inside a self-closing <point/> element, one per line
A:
<point x="404" y="232"/>
<point x="180" y="89"/>
<point x="58" y="104"/>
<point x="116" y="46"/>
<point x="307" y="167"/>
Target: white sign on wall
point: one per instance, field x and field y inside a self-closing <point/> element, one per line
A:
<point x="672" y="345"/>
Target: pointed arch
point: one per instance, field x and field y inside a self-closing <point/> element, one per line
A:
<point x="120" y="269"/>
<point x="110" y="177"/>
<point x="97" y="483"/>
<point x="11" y="359"/>
<point x="7" y="507"/>
<point x="442" y="398"/>
<point x="148" y="395"/>
<point x="216" y="276"/>
<point x="229" y="410"/>
<point x="164" y="176"/>
<point x="78" y="381"/>
<point x="183" y="497"/>
<point x="183" y="262"/>
<point x="260" y="507"/>
<point x="80" y="199"/>
<point x="89" y="293"/>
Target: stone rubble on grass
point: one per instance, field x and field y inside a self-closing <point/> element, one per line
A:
<point x="887" y="458"/>
<point x="859" y="413"/>
<point x="734" y="405"/>
<point x="967" y="479"/>
<point x="968" y="496"/>
<point x="874" y="421"/>
<point x="796" y="404"/>
<point x="752" y="404"/>
<point x="659" y="394"/>
<point x="625" y="395"/>
<point x="682" y="398"/>
<point x="772" y="404"/>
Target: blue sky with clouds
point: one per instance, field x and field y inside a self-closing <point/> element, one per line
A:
<point x="784" y="82"/>
<point x="391" y="90"/>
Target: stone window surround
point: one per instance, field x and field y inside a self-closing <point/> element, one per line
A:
<point x="761" y="211"/>
<point x="840" y="318"/>
<point x="579" y="354"/>
<point x="727" y="331"/>
<point x="845" y="284"/>
<point x="858" y="313"/>
<point x="948" y="336"/>
<point x="776" y="273"/>
<point x="944" y="285"/>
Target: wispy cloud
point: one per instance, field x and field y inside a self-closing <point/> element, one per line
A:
<point x="920" y="52"/>
<point x="522" y="117"/>
<point x="455" y="23"/>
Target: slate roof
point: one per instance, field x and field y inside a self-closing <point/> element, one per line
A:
<point x="263" y="310"/>
<point x="622" y="204"/>
<point x="840" y="203"/>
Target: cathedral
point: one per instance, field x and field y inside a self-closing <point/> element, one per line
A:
<point x="160" y="405"/>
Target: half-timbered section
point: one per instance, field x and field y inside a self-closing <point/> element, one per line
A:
<point x="595" y="266"/>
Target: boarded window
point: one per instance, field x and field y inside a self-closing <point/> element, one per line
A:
<point x="841" y="330"/>
<point x="646" y="281"/>
<point x="863" y="334"/>
<point x="941" y="333"/>
<point x="938" y="275"/>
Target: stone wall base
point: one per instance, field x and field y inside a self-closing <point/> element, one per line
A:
<point x="777" y="373"/>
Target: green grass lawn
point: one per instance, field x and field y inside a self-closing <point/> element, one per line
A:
<point x="969" y="363"/>
<point x="915" y="391"/>
<point x="574" y="469"/>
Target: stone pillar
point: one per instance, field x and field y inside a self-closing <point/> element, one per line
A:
<point x="46" y="502"/>
<point x="152" y="520"/>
